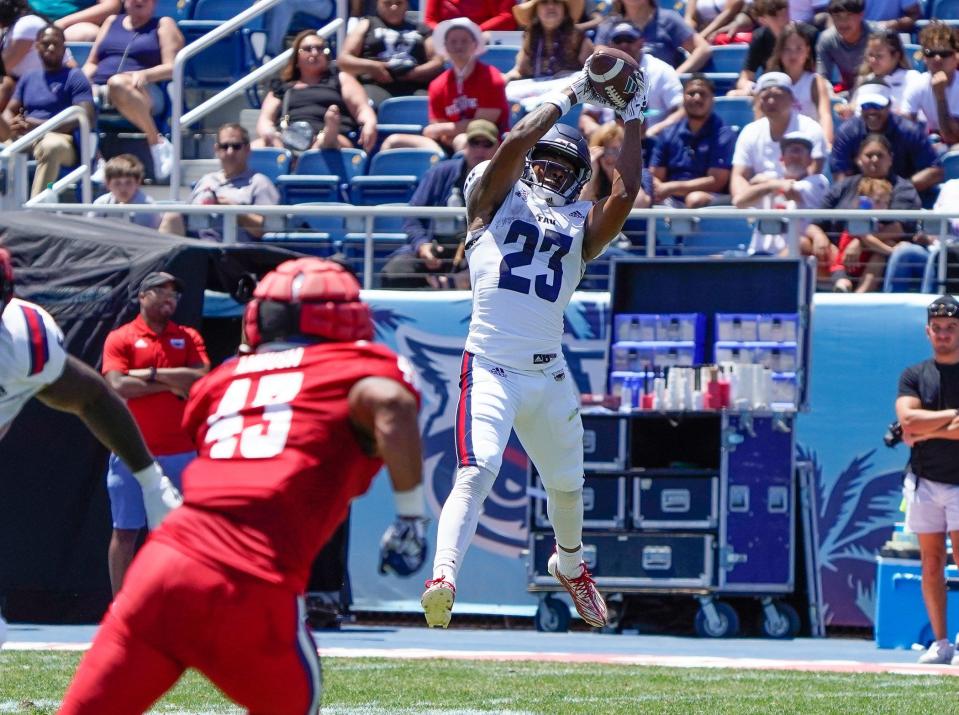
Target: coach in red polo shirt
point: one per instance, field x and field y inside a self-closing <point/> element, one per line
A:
<point x="152" y="362"/>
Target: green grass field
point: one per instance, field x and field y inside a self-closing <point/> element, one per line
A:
<point x="33" y="682"/>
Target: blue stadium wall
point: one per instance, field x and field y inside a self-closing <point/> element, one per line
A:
<point x="860" y="346"/>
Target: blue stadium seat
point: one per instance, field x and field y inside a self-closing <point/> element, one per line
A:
<point x="727" y="58"/>
<point x="231" y="58"/>
<point x="707" y="236"/>
<point x="80" y="51"/>
<point x="315" y="235"/>
<point x="914" y="55"/>
<point x="393" y="176"/>
<point x="950" y="165"/>
<point x="736" y="112"/>
<point x="502" y="57"/>
<point x="402" y="115"/>
<point x="322" y="175"/>
<point x="270" y="162"/>
<point x="944" y="9"/>
<point x="177" y="9"/>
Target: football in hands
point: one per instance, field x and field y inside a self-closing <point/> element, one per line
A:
<point x="612" y="76"/>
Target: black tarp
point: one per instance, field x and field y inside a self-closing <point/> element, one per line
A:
<point x="54" y="512"/>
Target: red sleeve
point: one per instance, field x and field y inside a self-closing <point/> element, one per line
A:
<point x="494" y="95"/>
<point x="115" y="356"/>
<point x="502" y="19"/>
<point x="196" y="348"/>
<point x="436" y="113"/>
<point x="433" y="13"/>
<point x="197" y="406"/>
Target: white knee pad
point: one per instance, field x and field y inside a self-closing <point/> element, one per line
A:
<point x="459" y="519"/>
<point x="565" y="512"/>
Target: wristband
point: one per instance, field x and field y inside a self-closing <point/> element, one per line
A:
<point x="410" y="502"/>
<point x="149" y="477"/>
<point x="560" y="100"/>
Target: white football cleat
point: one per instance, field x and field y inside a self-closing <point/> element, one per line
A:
<point x="437" y="602"/>
<point x="588" y="601"/>
<point x="939" y="653"/>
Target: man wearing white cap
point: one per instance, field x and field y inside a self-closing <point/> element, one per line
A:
<point x="913" y="155"/>
<point x="757" y="148"/>
<point x="798" y="188"/>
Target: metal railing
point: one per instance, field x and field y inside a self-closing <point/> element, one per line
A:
<point x="13" y="158"/>
<point x="179" y="121"/>
<point x="935" y="222"/>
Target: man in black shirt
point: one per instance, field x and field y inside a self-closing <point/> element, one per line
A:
<point x="928" y="409"/>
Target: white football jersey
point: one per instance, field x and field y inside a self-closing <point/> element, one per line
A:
<point x="31" y="356"/>
<point x="524" y="267"/>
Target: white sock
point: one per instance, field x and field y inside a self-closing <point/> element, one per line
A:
<point x="459" y="518"/>
<point x="565" y="511"/>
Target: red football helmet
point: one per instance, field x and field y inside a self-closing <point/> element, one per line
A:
<point x="307" y="296"/>
<point x="6" y="278"/>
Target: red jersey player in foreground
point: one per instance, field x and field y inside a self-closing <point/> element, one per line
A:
<point x="33" y="363"/>
<point x="286" y="436"/>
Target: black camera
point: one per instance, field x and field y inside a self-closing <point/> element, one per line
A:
<point x="893" y="434"/>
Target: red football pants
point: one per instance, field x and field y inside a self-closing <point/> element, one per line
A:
<point x="173" y="612"/>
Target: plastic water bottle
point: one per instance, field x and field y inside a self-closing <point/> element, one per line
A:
<point x="780" y="201"/>
<point x="865" y="203"/>
<point x="456" y="200"/>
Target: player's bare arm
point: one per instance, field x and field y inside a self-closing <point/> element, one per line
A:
<point x="385" y="411"/>
<point x="608" y="215"/>
<point x="507" y="164"/>
<point x="81" y="391"/>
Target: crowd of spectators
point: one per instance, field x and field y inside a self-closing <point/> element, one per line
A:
<point x="822" y="80"/>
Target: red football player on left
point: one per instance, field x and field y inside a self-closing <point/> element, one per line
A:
<point x="33" y="363"/>
<point x="287" y="435"/>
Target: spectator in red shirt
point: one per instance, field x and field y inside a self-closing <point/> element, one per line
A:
<point x="488" y="14"/>
<point x="468" y="90"/>
<point x="152" y="363"/>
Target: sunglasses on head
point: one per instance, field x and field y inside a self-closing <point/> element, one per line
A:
<point x="235" y="146"/>
<point x="943" y="310"/>
<point x="941" y="54"/>
<point x="484" y="143"/>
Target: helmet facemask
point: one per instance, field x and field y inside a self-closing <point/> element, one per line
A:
<point x="561" y="182"/>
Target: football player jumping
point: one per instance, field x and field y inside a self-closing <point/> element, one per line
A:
<point x="33" y="363"/>
<point x="527" y="244"/>
<point x="286" y="436"/>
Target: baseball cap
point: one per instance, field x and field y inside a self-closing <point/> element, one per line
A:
<point x="796" y="137"/>
<point x="877" y="94"/>
<point x="945" y="306"/>
<point x="159" y="278"/>
<point x="625" y="31"/>
<point x="482" y="128"/>
<point x="768" y="80"/>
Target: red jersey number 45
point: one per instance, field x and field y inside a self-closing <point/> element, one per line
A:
<point x="256" y="436"/>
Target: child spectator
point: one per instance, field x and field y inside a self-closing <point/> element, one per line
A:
<point x="772" y="16"/>
<point x="853" y="259"/>
<point x="795" y="55"/>
<point x="886" y="61"/>
<point x="124" y="176"/>
<point x="842" y="47"/>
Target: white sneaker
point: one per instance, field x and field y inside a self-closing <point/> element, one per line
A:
<point x="588" y="601"/>
<point x="939" y="653"/>
<point x="99" y="172"/>
<point x="162" y="154"/>
<point x="437" y="602"/>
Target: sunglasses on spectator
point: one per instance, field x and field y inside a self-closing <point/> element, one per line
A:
<point x="866" y="106"/>
<point x="166" y="292"/>
<point x="484" y="143"/>
<point x="941" y="54"/>
<point x="309" y="49"/>
<point x="624" y="40"/>
<point x="226" y="146"/>
<point x="612" y="153"/>
<point x="943" y="310"/>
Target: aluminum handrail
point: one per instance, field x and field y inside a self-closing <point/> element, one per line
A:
<point x="179" y="71"/>
<point x="368" y="213"/>
<point x="179" y="121"/>
<point x="16" y="148"/>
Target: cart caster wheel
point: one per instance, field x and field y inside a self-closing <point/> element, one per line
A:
<point x="552" y="616"/>
<point x="723" y="623"/>
<point x="778" y="620"/>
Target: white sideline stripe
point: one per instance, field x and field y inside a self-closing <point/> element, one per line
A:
<point x="663" y="661"/>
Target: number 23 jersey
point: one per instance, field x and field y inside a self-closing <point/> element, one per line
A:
<point x="278" y="460"/>
<point x="524" y="267"/>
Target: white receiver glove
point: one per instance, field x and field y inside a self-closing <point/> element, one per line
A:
<point x="634" y="110"/>
<point x="580" y="89"/>
<point x="160" y="497"/>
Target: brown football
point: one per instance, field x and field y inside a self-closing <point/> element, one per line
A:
<point x="610" y="73"/>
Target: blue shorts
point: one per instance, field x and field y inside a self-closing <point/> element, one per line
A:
<point x="126" y="498"/>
